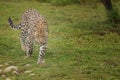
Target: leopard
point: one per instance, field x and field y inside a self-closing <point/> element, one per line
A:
<point x="33" y="29"/>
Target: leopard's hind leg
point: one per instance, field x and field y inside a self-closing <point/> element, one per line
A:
<point x="42" y="51"/>
<point x="27" y="45"/>
<point x="41" y="37"/>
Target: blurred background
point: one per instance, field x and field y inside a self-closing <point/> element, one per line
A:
<point x="84" y="40"/>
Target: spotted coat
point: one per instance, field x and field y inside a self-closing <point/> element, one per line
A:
<point x="34" y="29"/>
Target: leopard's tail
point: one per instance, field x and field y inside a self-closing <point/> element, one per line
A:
<point x="16" y="27"/>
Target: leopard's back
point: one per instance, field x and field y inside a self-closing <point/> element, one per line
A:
<point x="35" y="25"/>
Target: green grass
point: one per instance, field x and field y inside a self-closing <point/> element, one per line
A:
<point x="81" y="45"/>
